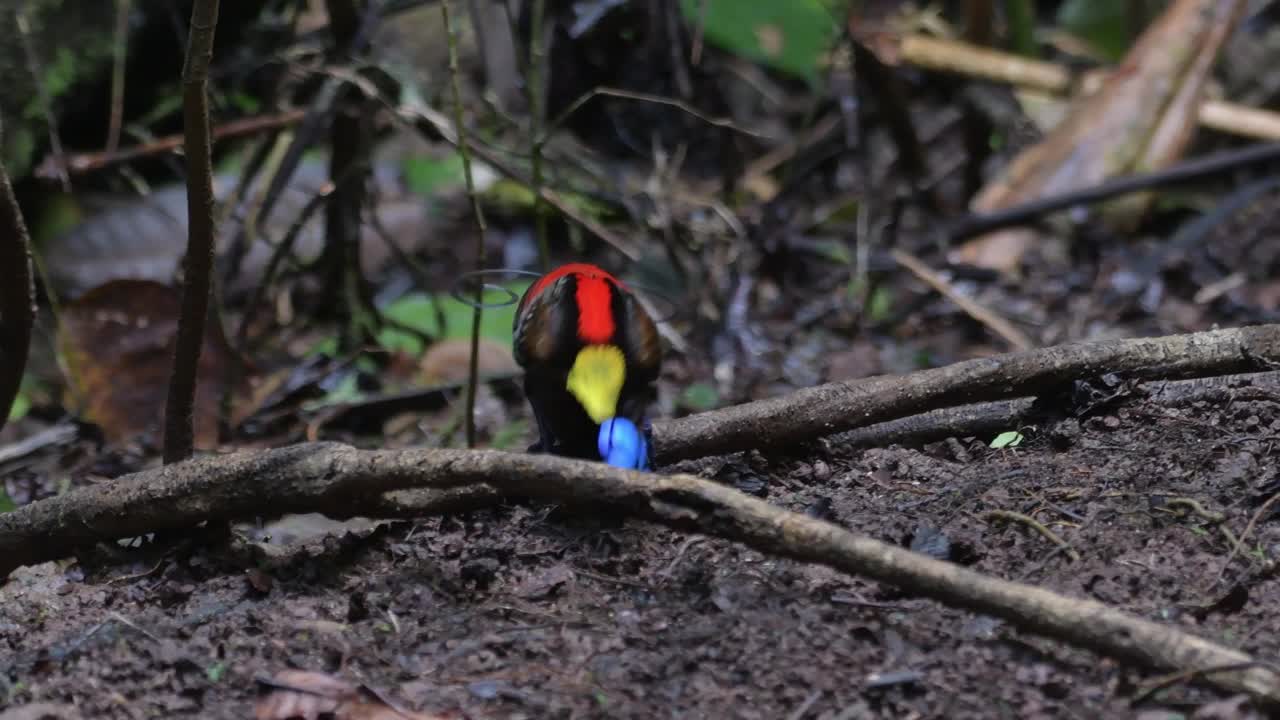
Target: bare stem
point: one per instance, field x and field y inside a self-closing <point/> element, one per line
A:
<point x="119" y="47"/>
<point x="179" y="432"/>
<point x="17" y="296"/>
<point x="537" y="60"/>
<point x="473" y="370"/>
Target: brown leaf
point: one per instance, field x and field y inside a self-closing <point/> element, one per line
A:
<point x="545" y="583"/>
<point x="305" y="695"/>
<point x="258" y="580"/>
<point x="117" y="343"/>
<point x="448" y="361"/>
<point x="41" y="711"/>
<point x="144" y="238"/>
<point x="1141" y="119"/>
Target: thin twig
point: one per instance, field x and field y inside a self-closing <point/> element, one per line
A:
<point x="655" y="99"/>
<point x="1248" y="529"/>
<point x="1195" y="506"/>
<point x="1036" y="525"/>
<point x="197" y="277"/>
<point x="81" y="163"/>
<point x="1188" y="675"/>
<point x="535" y="87"/>
<point x="282" y="250"/>
<point x="804" y="706"/>
<point x="430" y="122"/>
<point x="42" y="92"/>
<point x="972" y="308"/>
<point x="17" y="295"/>
<point x="119" y="53"/>
<point x="1216" y="519"/>
<point x="473" y="369"/>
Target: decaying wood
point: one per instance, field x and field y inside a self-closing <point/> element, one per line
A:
<point x="808" y="414"/>
<point x="340" y="480"/>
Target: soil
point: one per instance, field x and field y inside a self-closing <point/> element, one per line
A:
<point x="536" y="611"/>
<point x="532" y="611"/>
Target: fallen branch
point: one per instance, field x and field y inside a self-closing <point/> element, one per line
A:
<point x="836" y="407"/>
<point x="950" y="56"/>
<point x="991" y="418"/>
<point x="339" y="480"/>
<point x="1187" y="171"/>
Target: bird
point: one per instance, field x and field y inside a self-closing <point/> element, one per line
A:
<point x="591" y="355"/>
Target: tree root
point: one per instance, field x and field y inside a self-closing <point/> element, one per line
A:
<point x="837" y="407"/>
<point x="341" y="481"/>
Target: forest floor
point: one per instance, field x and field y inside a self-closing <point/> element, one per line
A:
<point x="1160" y="505"/>
<point x="530" y="611"/>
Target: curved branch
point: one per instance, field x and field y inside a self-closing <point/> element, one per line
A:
<point x="339" y="480"/>
<point x="827" y="409"/>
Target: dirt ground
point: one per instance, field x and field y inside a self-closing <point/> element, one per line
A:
<point x="533" y="612"/>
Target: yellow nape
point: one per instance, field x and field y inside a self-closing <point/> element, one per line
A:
<point x="596" y="380"/>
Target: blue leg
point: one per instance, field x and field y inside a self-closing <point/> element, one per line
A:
<point x="623" y="445"/>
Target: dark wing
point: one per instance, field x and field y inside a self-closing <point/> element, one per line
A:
<point x="544" y="331"/>
<point x="637" y="336"/>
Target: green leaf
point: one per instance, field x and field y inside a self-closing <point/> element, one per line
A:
<point x="1009" y="438"/>
<point x="1022" y="27"/>
<point x="511" y="196"/>
<point x="30" y="391"/>
<point x="6" y="503"/>
<point x="834" y="251"/>
<point x="216" y="671"/>
<point x="1103" y="24"/>
<point x="788" y="35"/>
<point x="700" y="396"/>
<point x="21" y="406"/>
<point x="509" y="436"/>
<point x="60" y="213"/>
<point x="879" y="305"/>
<point x="346" y="391"/>
<point x="245" y="103"/>
<point x="421" y="312"/>
<point x="845" y="212"/>
<point x="427" y="176"/>
<point x="19" y="148"/>
<point x="327" y="346"/>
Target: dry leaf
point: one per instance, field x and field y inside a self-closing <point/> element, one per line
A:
<point x="41" y="711"/>
<point x="144" y="238"/>
<point x="1141" y="119"/>
<point x="448" y="361"/>
<point x="545" y="583"/>
<point x="117" y="341"/>
<point x="304" y="695"/>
